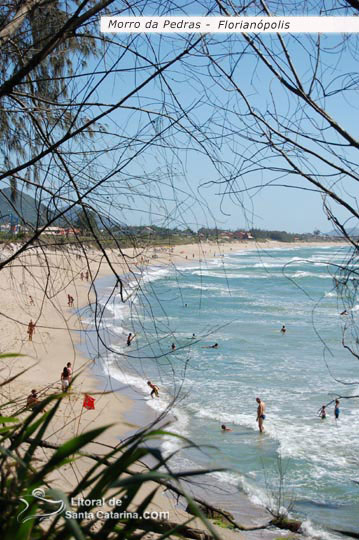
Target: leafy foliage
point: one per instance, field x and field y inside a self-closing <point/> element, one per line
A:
<point x="112" y="475"/>
<point x="39" y="105"/>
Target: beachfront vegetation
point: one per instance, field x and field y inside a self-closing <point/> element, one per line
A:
<point x="28" y="464"/>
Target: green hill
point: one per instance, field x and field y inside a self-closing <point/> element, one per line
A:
<point x="24" y="209"/>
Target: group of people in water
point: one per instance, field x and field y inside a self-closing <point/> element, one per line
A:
<point x="323" y="410"/>
<point x="261" y="406"/>
<point x="131" y="337"/>
<point x="261" y="414"/>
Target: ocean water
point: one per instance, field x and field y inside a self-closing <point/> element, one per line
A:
<point x="241" y="300"/>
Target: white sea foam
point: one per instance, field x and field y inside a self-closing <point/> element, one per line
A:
<point x="303" y="274"/>
<point x="316" y="532"/>
<point x="230" y="275"/>
<point x="254" y="359"/>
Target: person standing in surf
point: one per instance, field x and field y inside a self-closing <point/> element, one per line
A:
<point x="260" y="414"/>
<point x="155" y="389"/>
<point x="336" y="409"/>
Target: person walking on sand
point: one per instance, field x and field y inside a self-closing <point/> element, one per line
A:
<point x="155" y="389"/>
<point x="65" y="379"/>
<point x="336" y="409"/>
<point x="69" y="369"/>
<point x="31" y="300"/>
<point x="260" y="414"/>
<point x="87" y="276"/>
<point x="82" y="276"/>
<point x="31" y="329"/>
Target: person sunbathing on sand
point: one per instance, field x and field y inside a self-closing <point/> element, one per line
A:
<point x="32" y="400"/>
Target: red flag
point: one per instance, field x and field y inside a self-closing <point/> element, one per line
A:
<point x="89" y="402"/>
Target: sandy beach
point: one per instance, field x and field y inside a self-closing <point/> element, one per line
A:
<point x="35" y="286"/>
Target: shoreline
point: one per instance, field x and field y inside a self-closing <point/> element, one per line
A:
<point x="254" y="514"/>
<point x="59" y="337"/>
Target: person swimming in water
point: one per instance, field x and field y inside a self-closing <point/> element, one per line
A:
<point x="323" y="413"/>
<point x="336" y="409"/>
<point x="225" y="428"/>
<point x="173" y="346"/>
<point x="283" y="329"/>
<point x="215" y="346"/>
<point x="130" y="338"/>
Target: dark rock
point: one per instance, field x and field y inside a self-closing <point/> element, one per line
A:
<point x="284" y="523"/>
<point x="211" y="513"/>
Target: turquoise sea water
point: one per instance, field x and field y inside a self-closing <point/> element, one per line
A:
<point x="241" y="301"/>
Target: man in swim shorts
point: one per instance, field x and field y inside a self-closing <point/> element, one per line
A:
<point x="260" y="414"/>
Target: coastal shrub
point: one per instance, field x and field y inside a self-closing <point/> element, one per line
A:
<point x="281" y="498"/>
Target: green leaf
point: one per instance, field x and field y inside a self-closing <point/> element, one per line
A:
<point x="4" y="419"/>
<point x="67" y="449"/>
<point x="70" y="523"/>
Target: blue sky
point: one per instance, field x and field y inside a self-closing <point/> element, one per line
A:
<point x="185" y="166"/>
<point x="185" y="149"/>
